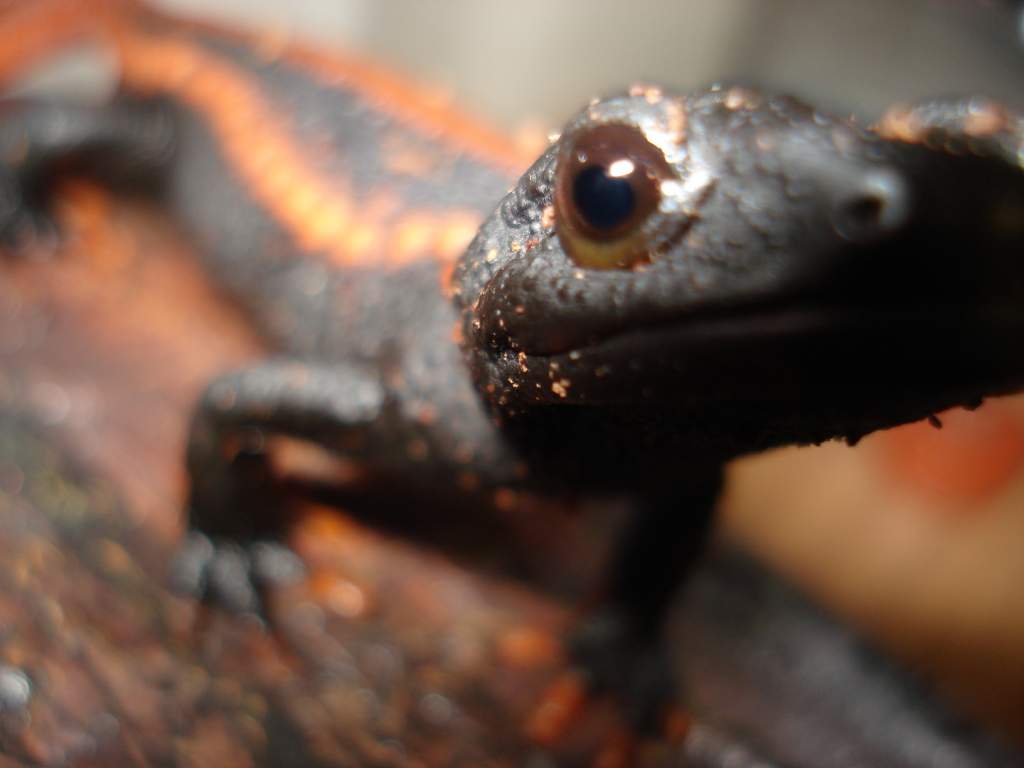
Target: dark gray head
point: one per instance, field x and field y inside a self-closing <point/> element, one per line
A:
<point x="735" y="253"/>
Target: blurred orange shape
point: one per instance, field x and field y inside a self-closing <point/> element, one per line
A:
<point x="971" y="459"/>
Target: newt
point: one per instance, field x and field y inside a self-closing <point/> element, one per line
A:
<point x="678" y="280"/>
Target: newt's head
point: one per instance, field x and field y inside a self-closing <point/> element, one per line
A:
<point x="736" y="253"/>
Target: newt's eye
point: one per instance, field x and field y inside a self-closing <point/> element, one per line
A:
<point x="608" y="184"/>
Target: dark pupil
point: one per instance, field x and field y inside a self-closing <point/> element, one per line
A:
<point x="602" y="201"/>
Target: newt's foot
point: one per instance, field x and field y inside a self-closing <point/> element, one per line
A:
<point x="233" y="575"/>
<point x="611" y="659"/>
<point x="618" y="660"/>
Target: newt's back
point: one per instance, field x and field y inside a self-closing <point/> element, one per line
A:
<point x="301" y="176"/>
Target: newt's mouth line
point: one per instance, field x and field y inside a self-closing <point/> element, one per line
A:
<point x="794" y="322"/>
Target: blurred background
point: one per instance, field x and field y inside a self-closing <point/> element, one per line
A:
<point x="535" y="59"/>
<point x="534" y="62"/>
<point x="915" y="535"/>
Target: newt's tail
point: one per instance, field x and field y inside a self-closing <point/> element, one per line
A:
<point x="29" y="31"/>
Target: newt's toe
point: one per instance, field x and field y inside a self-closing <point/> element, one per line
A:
<point x="612" y="665"/>
<point x="230" y="575"/>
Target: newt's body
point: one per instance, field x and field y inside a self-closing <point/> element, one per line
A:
<point x="677" y="281"/>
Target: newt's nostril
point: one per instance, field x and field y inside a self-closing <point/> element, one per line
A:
<point x="878" y="206"/>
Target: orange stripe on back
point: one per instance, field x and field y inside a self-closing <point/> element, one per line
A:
<point x="319" y="212"/>
<point x="418" y="107"/>
<point x="432" y="114"/>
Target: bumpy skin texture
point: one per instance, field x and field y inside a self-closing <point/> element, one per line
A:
<point x="802" y="279"/>
<point x="807" y="234"/>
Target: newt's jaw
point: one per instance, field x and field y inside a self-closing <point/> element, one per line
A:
<point x="812" y="265"/>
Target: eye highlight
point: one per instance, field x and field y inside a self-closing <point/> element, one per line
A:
<point x="602" y="199"/>
<point x="608" y="184"/>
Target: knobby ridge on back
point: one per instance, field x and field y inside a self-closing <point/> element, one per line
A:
<point x="678" y="280"/>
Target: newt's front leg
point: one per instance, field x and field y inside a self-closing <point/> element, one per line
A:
<point x="619" y="650"/>
<point x="236" y="518"/>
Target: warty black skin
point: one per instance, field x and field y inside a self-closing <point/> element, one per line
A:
<point x="816" y="281"/>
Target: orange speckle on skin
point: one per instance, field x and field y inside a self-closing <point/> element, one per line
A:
<point x="986" y="119"/>
<point x="902" y="124"/>
<point x="676" y="120"/>
<point x="741" y="98"/>
<point x="547" y="217"/>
